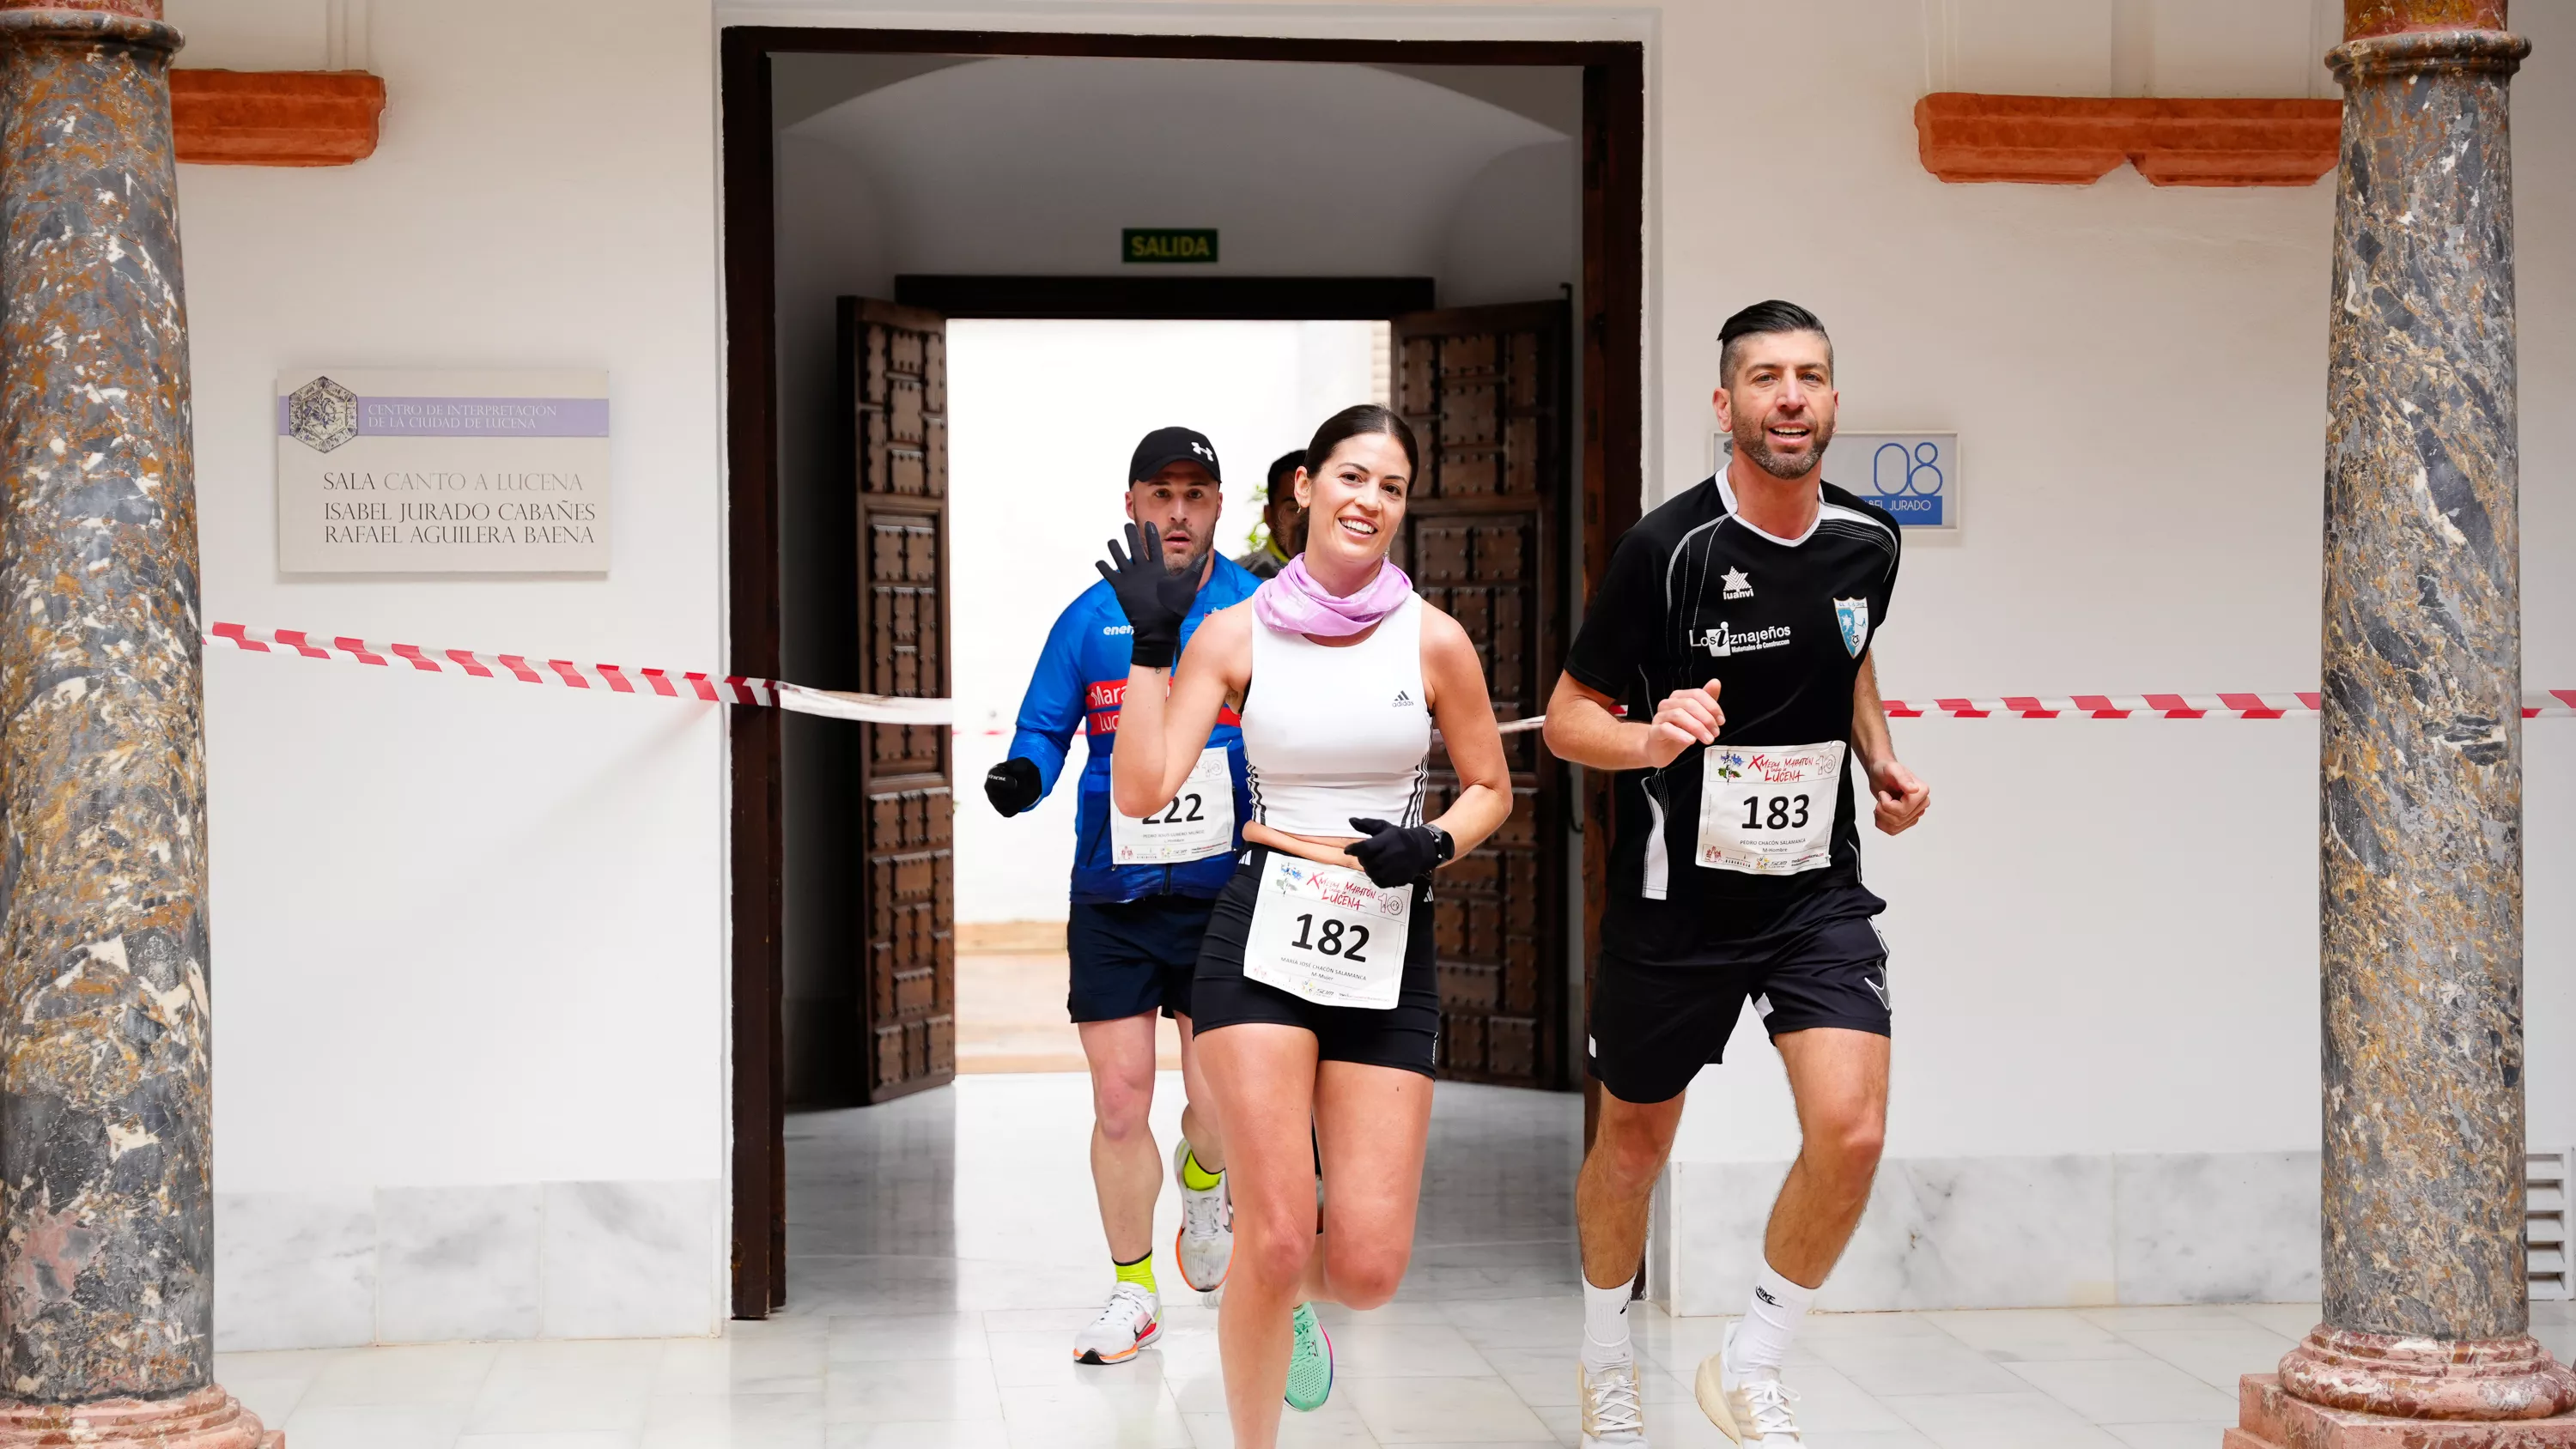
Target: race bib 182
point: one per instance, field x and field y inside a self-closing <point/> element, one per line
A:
<point x="1328" y="933"/>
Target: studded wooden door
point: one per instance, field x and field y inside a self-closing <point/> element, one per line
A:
<point x="898" y="377"/>
<point x="1485" y="389"/>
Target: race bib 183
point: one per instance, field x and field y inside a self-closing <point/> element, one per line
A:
<point x="1769" y="811"/>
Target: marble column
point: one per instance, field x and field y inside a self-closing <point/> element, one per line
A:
<point x="2425" y="1340"/>
<point x="106" y="1211"/>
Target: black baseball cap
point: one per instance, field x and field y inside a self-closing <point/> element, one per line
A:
<point x="1172" y="445"/>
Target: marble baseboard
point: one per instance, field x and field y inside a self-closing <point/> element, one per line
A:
<point x="2013" y="1232"/>
<point x="434" y="1264"/>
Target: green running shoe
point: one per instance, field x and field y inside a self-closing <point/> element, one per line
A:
<point x="1310" y="1362"/>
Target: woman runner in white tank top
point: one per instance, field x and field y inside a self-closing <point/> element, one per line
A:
<point x="1317" y="996"/>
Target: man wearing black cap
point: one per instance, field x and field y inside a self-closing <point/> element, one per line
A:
<point x="1142" y="891"/>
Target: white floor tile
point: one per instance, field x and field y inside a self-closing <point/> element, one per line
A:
<point x="2172" y="1436"/>
<point x="1366" y="1350"/>
<point x="374" y="1427"/>
<point x="1999" y="1421"/>
<point x="1441" y="1411"/>
<point x="2217" y="1357"/>
<point x="922" y="1434"/>
<point x="2127" y="1391"/>
<point x="2008" y="1335"/>
<point x="1137" y="1415"/>
<point x="885" y="1390"/>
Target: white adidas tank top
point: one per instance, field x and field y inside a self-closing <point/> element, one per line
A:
<point x="1330" y="733"/>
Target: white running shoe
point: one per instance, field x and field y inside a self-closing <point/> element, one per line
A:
<point x="1612" y="1416"/>
<point x="1205" y="1246"/>
<point x="1133" y="1320"/>
<point x="1751" y="1410"/>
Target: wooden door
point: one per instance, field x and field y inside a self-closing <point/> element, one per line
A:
<point x="1485" y="389"/>
<point x="895" y="364"/>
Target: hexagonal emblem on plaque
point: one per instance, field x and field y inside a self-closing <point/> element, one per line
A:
<point x="322" y="414"/>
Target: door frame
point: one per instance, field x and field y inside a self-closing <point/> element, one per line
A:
<point x="1611" y="329"/>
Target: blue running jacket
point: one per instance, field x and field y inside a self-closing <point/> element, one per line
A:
<point x="1080" y="678"/>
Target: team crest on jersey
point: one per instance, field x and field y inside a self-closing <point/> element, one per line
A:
<point x="1853" y="616"/>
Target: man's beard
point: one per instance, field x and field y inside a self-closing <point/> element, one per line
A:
<point x="1752" y="442"/>
<point x="1197" y="560"/>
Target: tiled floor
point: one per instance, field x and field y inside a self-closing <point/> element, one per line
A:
<point x="945" y="1250"/>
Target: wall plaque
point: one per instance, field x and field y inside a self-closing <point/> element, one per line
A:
<point x="442" y="472"/>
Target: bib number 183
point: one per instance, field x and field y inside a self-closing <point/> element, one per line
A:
<point x="1778" y="816"/>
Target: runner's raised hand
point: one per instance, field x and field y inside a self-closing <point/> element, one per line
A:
<point x="1154" y="598"/>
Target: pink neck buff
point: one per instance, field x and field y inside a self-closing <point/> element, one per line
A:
<point x="1293" y="603"/>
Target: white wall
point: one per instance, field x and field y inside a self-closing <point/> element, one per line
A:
<point x="469" y="936"/>
<point x="1036" y="470"/>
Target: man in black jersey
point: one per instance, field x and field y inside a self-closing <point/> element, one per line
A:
<point x="1735" y="625"/>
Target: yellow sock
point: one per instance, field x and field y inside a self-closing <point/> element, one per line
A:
<point x="1195" y="1177"/>
<point x="1140" y="1273"/>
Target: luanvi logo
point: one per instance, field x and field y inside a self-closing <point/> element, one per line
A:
<point x="1737" y="585"/>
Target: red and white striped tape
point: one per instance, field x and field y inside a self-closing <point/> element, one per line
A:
<point x="2163" y="706"/>
<point x="894" y="709"/>
<point x="614" y="678"/>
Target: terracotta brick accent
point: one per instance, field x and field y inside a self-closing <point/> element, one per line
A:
<point x="2076" y="140"/>
<point x="275" y="117"/>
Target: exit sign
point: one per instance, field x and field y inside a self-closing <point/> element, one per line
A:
<point x="1149" y="244"/>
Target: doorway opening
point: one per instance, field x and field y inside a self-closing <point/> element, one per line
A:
<point x="902" y="205"/>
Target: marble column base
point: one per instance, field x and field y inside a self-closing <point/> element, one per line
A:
<point x="2424" y="1378"/>
<point x="2268" y="1418"/>
<point x="206" y="1419"/>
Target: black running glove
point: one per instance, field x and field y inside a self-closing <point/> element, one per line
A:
<point x="1013" y="786"/>
<point x="1154" y="598"/>
<point x="1399" y="855"/>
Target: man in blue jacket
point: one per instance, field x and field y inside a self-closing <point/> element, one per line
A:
<point x="1142" y="890"/>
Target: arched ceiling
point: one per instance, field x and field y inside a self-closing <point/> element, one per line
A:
<point x="1309" y="168"/>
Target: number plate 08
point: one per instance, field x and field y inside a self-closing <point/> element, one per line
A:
<point x="1328" y="933"/>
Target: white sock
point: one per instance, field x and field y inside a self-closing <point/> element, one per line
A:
<point x="1605" y="1327"/>
<point x="1762" y="1341"/>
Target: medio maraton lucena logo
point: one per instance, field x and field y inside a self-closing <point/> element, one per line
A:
<point x="322" y="414"/>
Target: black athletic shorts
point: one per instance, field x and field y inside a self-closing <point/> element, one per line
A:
<point x="1405" y="1035"/>
<point x="1134" y="956"/>
<point x="1654" y="1026"/>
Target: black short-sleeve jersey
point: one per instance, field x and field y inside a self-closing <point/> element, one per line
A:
<point x="1694" y="593"/>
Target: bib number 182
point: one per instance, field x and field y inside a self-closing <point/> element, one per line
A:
<point x="1336" y="939"/>
<point x="1777" y="812"/>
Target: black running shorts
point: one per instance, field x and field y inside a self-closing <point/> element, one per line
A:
<point x="1405" y="1035"/>
<point x="1654" y="1026"/>
<point x="1132" y="957"/>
